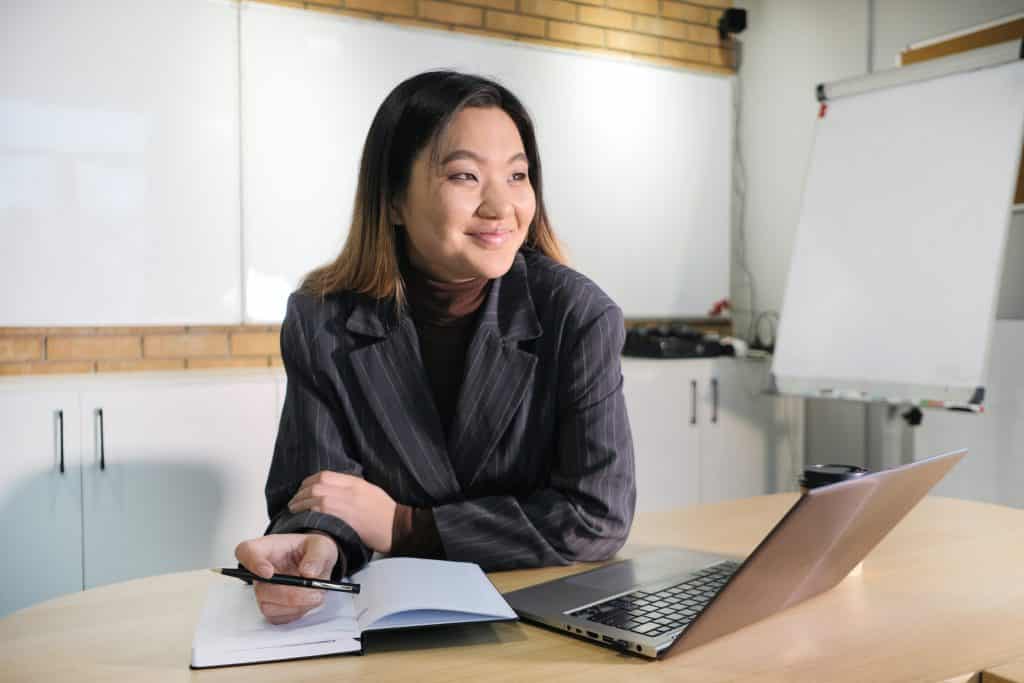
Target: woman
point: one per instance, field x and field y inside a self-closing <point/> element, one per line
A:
<point x="454" y="390"/>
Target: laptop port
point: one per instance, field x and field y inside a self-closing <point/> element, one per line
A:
<point x="593" y="635"/>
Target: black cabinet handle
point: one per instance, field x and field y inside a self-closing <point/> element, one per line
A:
<point x="103" y="462"/>
<point x="714" y="400"/>
<point x="693" y="401"/>
<point x="60" y="427"/>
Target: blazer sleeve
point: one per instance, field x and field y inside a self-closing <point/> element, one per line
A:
<point x="309" y="439"/>
<point x="585" y="512"/>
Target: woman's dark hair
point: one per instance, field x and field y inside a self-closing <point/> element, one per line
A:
<point x="415" y="115"/>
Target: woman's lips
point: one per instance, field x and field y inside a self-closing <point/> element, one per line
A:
<point x="492" y="239"/>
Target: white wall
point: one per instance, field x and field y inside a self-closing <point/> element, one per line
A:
<point x="788" y="47"/>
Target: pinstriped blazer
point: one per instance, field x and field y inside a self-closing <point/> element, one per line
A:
<point x="538" y="465"/>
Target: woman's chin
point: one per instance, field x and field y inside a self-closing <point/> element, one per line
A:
<point x="493" y="264"/>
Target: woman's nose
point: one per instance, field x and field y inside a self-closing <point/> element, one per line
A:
<point x="495" y="202"/>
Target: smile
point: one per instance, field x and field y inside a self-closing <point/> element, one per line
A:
<point x="491" y="239"/>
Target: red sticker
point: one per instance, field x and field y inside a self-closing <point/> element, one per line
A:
<point x="822" y="110"/>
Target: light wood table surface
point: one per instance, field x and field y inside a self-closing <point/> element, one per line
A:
<point x="942" y="595"/>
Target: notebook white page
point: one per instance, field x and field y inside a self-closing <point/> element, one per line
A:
<point x="232" y="630"/>
<point x="403" y="592"/>
<point x="395" y="593"/>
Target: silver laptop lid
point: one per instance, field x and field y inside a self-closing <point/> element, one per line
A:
<point x="815" y="545"/>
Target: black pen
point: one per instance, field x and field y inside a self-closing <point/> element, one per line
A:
<point x="289" y="580"/>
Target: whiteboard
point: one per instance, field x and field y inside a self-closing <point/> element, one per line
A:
<point x="119" y="163"/>
<point x="636" y="157"/>
<point x="892" y="288"/>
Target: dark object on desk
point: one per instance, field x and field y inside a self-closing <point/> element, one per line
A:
<point x="823" y="475"/>
<point x="288" y="580"/>
<point x="672" y="341"/>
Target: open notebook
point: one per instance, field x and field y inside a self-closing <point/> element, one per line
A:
<point x="395" y="593"/>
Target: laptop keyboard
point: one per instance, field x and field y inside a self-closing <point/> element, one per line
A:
<point x="669" y="609"/>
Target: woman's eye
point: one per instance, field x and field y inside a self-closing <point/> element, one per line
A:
<point x="462" y="176"/>
<point x="519" y="176"/>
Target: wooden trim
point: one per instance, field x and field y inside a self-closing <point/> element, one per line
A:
<point x="993" y="35"/>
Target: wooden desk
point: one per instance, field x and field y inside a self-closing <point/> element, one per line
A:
<point x="942" y="595"/>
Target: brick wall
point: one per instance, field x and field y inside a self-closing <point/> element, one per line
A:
<point x="681" y="34"/>
<point x="47" y="350"/>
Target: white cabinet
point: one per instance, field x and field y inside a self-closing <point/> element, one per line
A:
<point x="40" y="505"/>
<point x="752" y="441"/>
<point x="161" y="473"/>
<point x="173" y="475"/>
<point x="705" y="430"/>
<point x="663" y="402"/>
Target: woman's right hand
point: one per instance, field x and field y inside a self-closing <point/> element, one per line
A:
<point x="311" y="555"/>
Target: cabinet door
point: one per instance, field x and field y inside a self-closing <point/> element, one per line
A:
<point x="173" y="474"/>
<point x="40" y="506"/>
<point x="664" y="414"/>
<point x="750" y="441"/>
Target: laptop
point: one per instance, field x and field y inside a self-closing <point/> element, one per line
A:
<point x="669" y="601"/>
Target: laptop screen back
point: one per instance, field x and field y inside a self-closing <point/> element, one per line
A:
<point x="815" y="545"/>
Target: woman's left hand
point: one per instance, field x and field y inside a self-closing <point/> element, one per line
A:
<point x="367" y="508"/>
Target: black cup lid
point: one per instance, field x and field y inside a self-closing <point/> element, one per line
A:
<point x="820" y="475"/>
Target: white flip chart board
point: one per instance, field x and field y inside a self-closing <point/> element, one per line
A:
<point x="893" y="283"/>
<point x="636" y="157"/>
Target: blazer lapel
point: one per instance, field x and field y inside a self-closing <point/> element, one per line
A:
<point x="394" y="383"/>
<point x="498" y="374"/>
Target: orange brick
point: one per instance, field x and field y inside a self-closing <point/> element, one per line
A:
<point x="507" y="5"/>
<point x="255" y="344"/>
<point x="447" y="13"/>
<point x="713" y="16"/>
<point x="140" y="365"/>
<point x="609" y="18"/>
<point x="704" y="34"/>
<point x="721" y="56"/>
<point x="552" y="9"/>
<point x="717" y="3"/>
<point x="287" y="3"/>
<point x="638" y="6"/>
<point x="688" y="52"/>
<point x="406" y="8"/>
<point x="343" y="12"/>
<point x="514" y="23"/>
<point x="21" y="348"/>
<point x="660" y="27"/>
<point x="126" y="331"/>
<point x="400" y="21"/>
<point x="684" y="12"/>
<point x="574" y="33"/>
<point x="184" y="345"/>
<point x="207" y="363"/>
<point x="632" y="42"/>
<point x="92" y="348"/>
<point x="470" y="31"/>
<point x="46" y="368"/>
<point x="44" y="331"/>
<point x="596" y="3"/>
<point x="276" y="362"/>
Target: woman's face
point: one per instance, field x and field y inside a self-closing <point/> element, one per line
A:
<point x="468" y="216"/>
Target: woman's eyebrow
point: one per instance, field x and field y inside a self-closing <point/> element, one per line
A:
<point x="466" y="154"/>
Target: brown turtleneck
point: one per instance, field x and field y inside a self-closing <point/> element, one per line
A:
<point x="445" y="317"/>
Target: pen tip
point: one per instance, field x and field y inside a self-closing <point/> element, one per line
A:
<point x="215" y="571"/>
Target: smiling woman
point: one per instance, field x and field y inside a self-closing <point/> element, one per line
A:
<point x="454" y="389"/>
